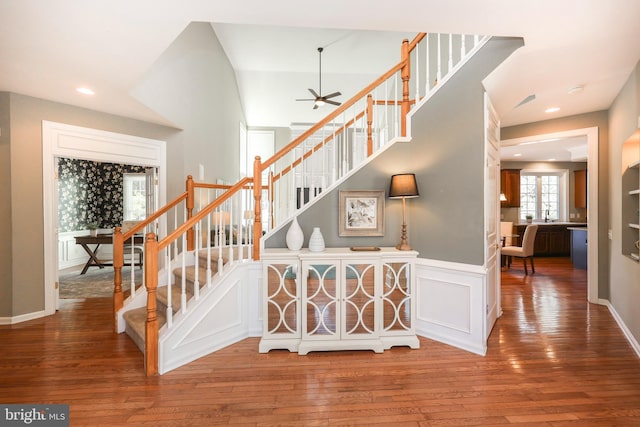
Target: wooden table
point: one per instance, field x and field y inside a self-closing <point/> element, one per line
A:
<point x="98" y="240"/>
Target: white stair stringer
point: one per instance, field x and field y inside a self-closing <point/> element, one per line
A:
<point x="224" y="314"/>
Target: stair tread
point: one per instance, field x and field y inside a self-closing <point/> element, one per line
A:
<point x="137" y="319"/>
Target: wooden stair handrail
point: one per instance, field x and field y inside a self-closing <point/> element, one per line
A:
<point x="153" y="246"/>
<point x="315" y="148"/>
<point x="191" y="222"/>
<point x="283" y="151"/>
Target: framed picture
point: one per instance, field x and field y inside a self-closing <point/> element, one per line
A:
<point x="361" y="213"/>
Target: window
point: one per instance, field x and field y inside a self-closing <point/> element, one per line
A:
<point x="542" y="195"/>
<point x="134" y="197"/>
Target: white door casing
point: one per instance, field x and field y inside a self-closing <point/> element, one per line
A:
<point x="493" y="306"/>
<point x="61" y="140"/>
<point x="592" y="198"/>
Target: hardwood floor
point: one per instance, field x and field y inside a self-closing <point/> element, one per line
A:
<point x="553" y="360"/>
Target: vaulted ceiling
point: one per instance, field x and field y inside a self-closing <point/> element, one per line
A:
<point x="48" y="48"/>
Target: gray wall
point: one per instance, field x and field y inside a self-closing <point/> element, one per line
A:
<point x="511" y="214"/>
<point x="25" y="248"/>
<point x="5" y="208"/>
<point x="597" y="119"/>
<point x="193" y="84"/>
<point x="447" y="155"/>
<point x="624" y="292"/>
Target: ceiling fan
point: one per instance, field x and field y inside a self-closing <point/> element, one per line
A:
<point x="318" y="99"/>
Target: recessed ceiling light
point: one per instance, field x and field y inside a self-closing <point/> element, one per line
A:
<point x="552" y="110"/>
<point x="85" y="91"/>
<point x="552" y="159"/>
<point x="575" y="89"/>
<point x="539" y="141"/>
<point x="517" y="155"/>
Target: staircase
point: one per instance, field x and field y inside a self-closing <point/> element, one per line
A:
<point x="171" y="296"/>
<point x="202" y="280"/>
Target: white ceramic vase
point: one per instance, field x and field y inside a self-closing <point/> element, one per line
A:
<point x="316" y="241"/>
<point x="294" y="237"/>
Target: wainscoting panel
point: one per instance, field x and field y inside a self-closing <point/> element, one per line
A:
<point x="69" y="253"/>
<point x="450" y="304"/>
<point x="224" y="315"/>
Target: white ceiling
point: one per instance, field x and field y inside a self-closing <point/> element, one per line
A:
<point x="48" y="48"/>
<point x="568" y="149"/>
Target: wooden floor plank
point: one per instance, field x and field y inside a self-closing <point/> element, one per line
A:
<point x="553" y="360"/>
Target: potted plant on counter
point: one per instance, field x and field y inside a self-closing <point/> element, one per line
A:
<point x="529" y="218"/>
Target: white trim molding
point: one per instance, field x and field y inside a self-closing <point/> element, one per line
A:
<point x="450" y="303"/>
<point x="61" y="140"/>
<point x="592" y="195"/>
<point x="21" y="318"/>
<point x="625" y="330"/>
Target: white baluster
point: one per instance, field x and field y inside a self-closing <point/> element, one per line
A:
<point x="175" y="225"/>
<point x="396" y="109"/>
<point x="450" y="65"/>
<point x="417" y="83"/>
<point x="439" y="59"/>
<point x="463" y="46"/>
<point x="209" y="251"/>
<point x="334" y="169"/>
<point x="132" y="262"/>
<point x="231" y="229"/>
<point x="386" y="109"/>
<point x="220" y="236"/>
<point x="427" y="52"/>
<point x="169" y="313"/>
<point x="196" y="265"/>
<point x="344" y="144"/>
<point x="183" y="289"/>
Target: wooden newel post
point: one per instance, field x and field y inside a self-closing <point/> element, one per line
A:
<point x="257" y="195"/>
<point x="118" y="262"/>
<point x="406" y="75"/>
<point x="151" y="325"/>
<point x="190" y="204"/>
<point x="369" y="125"/>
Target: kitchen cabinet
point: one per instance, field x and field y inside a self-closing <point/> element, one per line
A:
<point x="551" y="239"/>
<point x="580" y="189"/>
<point x="338" y="299"/>
<point x="579" y="247"/>
<point x="510" y="187"/>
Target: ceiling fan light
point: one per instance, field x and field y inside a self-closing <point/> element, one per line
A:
<point x="319" y="103"/>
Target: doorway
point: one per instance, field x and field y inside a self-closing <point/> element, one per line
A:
<point x="591" y="135"/>
<point x="61" y="140"/>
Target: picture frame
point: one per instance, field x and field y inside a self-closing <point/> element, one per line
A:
<point x="361" y="213"/>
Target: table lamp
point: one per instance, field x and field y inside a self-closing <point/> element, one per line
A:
<point x="403" y="186"/>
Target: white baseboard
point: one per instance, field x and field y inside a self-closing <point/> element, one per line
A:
<point x="625" y="330"/>
<point x="22" y="318"/>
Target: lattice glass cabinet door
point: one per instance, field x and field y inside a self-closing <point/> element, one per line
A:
<point x="320" y="295"/>
<point x="358" y="302"/>
<point x="396" y="298"/>
<point x="282" y="300"/>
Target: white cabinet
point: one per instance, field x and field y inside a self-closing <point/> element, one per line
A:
<point x="341" y="300"/>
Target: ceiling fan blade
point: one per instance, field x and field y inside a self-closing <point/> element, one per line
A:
<point x="313" y="92"/>
<point x="332" y="95"/>
<point x="315" y="106"/>
<point x="328" y="101"/>
<point x="306" y="99"/>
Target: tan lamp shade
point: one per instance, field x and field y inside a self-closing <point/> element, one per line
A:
<point x="403" y="185"/>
